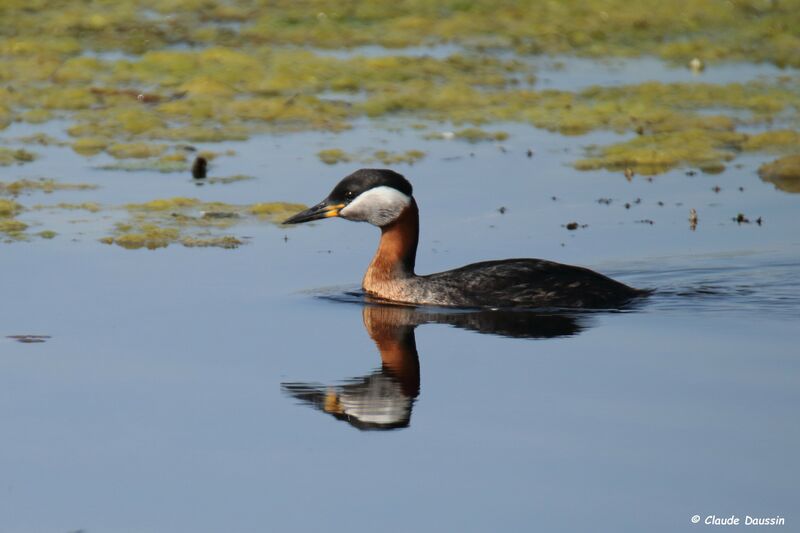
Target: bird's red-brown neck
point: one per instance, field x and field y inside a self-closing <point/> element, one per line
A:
<point x="396" y="253"/>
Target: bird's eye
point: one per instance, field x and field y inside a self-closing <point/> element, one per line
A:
<point x="349" y="195"/>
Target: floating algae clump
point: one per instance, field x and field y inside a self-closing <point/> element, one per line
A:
<point x="784" y="173"/>
<point x="10" y="157"/>
<point x="136" y="150"/>
<point x="163" y="164"/>
<point x="191" y="222"/>
<point x="90" y="145"/>
<point x="147" y="236"/>
<point x="335" y="155"/>
<point x="393" y="158"/>
<point x="12" y="227"/>
<point x="654" y="154"/>
<point x="773" y="141"/>
<point x="226" y="180"/>
<point x="472" y="135"/>
<point x="191" y="70"/>
<point x="91" y="207"/>
<point x="331" y="156"/>
<point x="9" y="226"/>
<point x="18" y="187"/>
<point x="224" y="241"/>
<point x="166" y="204"/>
<point x="42" y="139"/>
<point x="36" y="116"/>
<point x="9" y="208"/>
<point x="275" y="211"/>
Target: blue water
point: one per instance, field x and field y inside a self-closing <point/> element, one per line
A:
<point x="166" y="396"/>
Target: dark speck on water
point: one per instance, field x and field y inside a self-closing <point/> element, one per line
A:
<point x="29" y="339"/>
<point x="199" y="167"/>
<point x="574" y="225"/>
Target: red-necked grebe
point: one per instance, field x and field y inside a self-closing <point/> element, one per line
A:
<point x="384" y="199"/>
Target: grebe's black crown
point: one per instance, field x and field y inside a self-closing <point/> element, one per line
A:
<point x="368" y="178"/>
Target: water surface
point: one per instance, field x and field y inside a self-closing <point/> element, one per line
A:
<point x="224" y="390"/>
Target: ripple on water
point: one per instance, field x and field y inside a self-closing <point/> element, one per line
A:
<point x="760" y="283"/>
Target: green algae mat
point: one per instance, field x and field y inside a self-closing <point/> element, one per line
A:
<point x="139" y="81"/>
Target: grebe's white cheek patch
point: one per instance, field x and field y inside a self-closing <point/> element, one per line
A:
<point x="379" y="206"/>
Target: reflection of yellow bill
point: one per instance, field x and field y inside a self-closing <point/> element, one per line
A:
<point x="332" y="404"/>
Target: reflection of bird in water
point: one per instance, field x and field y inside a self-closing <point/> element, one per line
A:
<point x="384" y="398"/>
<point x="384" y="198"/>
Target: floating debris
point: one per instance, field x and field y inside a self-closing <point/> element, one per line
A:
<point x="29" y="339"/>
<point x="199" y="167"/>
<point x="574" y="225"/>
